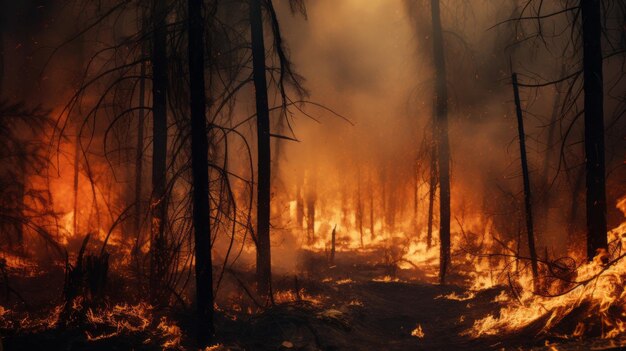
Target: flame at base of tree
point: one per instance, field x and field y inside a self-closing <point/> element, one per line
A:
<point x="592" y="303"/>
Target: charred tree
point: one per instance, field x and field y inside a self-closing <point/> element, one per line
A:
<point x="159" y="147"/>
<point x="139" y="145"/>
<point x="311" y="198"/>
<point x="200" y="175"/>
<point x="594" y="127"/>
<point x="432" y="189"/>
<point x="359" y="207"/>
<point x="527" y="193"/>
<point x="443" y="145"/>
<point x="263" y="259"/>
<point x="299" y="203"/>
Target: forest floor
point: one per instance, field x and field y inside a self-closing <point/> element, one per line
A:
<point x="349" y="306"/>
<point x="362" y="311"/>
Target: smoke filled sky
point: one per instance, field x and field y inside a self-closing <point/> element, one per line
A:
<point x="372" y="65"/>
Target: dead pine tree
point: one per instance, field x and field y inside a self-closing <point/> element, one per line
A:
<point x="159" y="147"/>
<point x="263" y="257"/>
<point x="200" y="175"/>
<point x="527" y="197"/>
<point x="443" y="144"/>
<point x="594" y="127"/>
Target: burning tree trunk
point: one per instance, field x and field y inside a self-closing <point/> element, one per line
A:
<point x="594" y="127"/>
<point x="432" y="189"/>
<point x="359" y="207"/>
<point x="527" y="197"/>
<point x="311" y="198"/>
<point x="159" y="146"/>
<point x="300" y="202"/>
<point x="443" y="147"/>
<point x="263" y="262"/>
<point x="200" y="174"/>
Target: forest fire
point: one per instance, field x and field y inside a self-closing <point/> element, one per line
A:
<point x="308" y="175"/>
<point x="591" y="302"/>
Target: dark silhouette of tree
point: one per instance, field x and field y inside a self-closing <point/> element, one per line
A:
<point x="159" y="146"/>
<point x="591" y="24"/>
<point x="200" y="175"/>
<point x="443" y="145"/>
<point x="432" y="190"/>
<point x="140" y="134"/>
<point x="594" y="126"/>
<point x="263" y="267"/>
<point x="527" y="192"/>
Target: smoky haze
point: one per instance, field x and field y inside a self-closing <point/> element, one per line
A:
<point x="371" y="62"/>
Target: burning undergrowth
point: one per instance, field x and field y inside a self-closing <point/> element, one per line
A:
<point x="136" y="326"/>
<point x="588" y="301"/>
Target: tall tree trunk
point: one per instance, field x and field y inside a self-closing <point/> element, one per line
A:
<point x="139" y="149"/>
<point x="432" y="189"/>
<point x="527" y="193"/>
<point x="159" y="147"/>
<point x="300" y="201"/>
<point x="443" y="145"/>
<point x="263" y="258"/>
<point x="594" y="127"/>
<point x="80" y="58"/>
<point x="200" y="174"/>
<point x="311" y="198"/>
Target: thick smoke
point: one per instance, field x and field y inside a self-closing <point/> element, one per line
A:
<point x="372" y="63"/>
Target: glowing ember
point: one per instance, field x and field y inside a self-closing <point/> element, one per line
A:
<point x="418" y="332"/>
